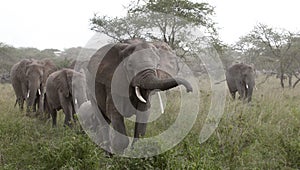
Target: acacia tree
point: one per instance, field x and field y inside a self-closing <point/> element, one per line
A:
<point x="167" y="20"/>
<point x="272" y="48"/>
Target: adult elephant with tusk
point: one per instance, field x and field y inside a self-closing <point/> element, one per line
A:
<point x="66" y="90"/>
<point x="19" y="81"/>
<point x="124" y="75"/>
<point x="241" y="78"/>
<point x="28" y="80"/>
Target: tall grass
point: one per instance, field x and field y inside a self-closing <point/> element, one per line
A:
<point x="262" y="135"/>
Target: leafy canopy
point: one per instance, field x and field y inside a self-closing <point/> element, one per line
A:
<point x="168" y="20"/>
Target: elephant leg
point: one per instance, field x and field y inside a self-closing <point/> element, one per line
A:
<point x="68" y="114"/>
<point x="66" y="105"/>
<point x="120" y="140"/>
<point x="246" y="93"/>
<point x="24" y="95"/>
<point x="21" y="103"/>
<point x="232" y="87"/>
<point x="36" y="105"/>
<point x="241" y="89"/>
<point x="103" y="137"/>
<point x="53" y="114"/>
<point x="140" y="125"/>
<point x="249" y="92"/>
<point x="73" y="113"/>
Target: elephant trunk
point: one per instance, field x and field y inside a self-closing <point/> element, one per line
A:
<point x="250" y="84"/>
<point x="149" y="81"/>
<point x="42" y="99"/>
<point x="33" y="93"/>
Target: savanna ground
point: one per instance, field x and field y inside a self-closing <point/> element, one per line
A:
<point x="262" y="135"/>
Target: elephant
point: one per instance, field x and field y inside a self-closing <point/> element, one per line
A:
<point x="66" y="90"/>
<point x="28" y="80"/>
<point x="19" y="82"/>
<point x="124" y="76"/>
<point x="241" y="78"/>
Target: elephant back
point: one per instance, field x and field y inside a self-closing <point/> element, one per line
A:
<point x="49" y="67"/>
<point x="18" y="70"/>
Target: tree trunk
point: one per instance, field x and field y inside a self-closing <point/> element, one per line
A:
<point x="282" y="80"/>
<point x="296" y="82"/>
<point x="290" y="81"/>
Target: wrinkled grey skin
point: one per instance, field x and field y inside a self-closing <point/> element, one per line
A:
<point x="66" y="90"/>
<point x="124" y="67"/>
<point x="19" y="81"/>
<point x="28" y="80"/>
<point x="241" y="78"/>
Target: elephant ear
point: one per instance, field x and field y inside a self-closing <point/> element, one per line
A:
<point x="120" y="79"/>
<point x="61" y="81"/>
<point x="127" y="50"/>
<point x="22" y="68"/>
<point x="105" y="61"/>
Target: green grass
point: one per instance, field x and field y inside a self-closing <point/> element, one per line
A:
<point x="262" y="135"/>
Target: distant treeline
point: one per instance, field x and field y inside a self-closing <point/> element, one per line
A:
<point x="10" y="55"/>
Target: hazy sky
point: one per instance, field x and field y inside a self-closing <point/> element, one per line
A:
<point x="65" y="23"/>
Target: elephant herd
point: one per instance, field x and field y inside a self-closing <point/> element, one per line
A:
<point x="118" y="82"/>
<point x="28" y="78"/>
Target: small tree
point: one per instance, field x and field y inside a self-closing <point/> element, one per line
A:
<point x="167" y="20"/>
<point x="272" y="47"/>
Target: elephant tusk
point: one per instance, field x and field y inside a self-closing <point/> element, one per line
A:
<point x="160" y="103"/>
<point x="247" y="86"/>
<point x="28" y="94"/>
<point x="39" y="90"/>
<point x="138" y="94"/>
<point x="75" y="101"/>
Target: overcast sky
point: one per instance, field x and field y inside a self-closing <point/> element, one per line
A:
<point x="65" y="23"/>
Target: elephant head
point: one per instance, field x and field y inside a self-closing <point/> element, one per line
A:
<point x="36" y="75"/>
<point x="168" y="65"/>
<point x="241" y="78"/>
<point x="124" y="76"/>
<point x="69" y="86"/>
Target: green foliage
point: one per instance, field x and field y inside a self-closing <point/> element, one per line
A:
<point x="194" y="13"/>
<point x="272" y="49"/>
<point x="10" y="55"/>
<point x="168" y="21"/>
<point x="261" y="135"/>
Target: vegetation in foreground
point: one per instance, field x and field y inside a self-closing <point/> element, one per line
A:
<point x="262" y="135"/>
